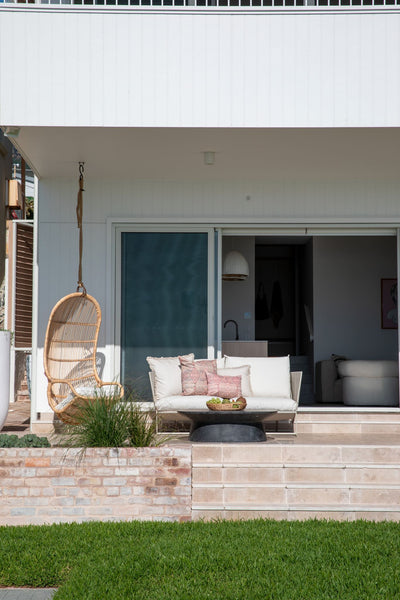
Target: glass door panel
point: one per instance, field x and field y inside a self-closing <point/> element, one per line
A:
<point x="164" y="300"/>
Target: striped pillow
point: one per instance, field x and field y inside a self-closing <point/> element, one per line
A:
<point x="194" y="379"/>
<point x="224" y="386"/>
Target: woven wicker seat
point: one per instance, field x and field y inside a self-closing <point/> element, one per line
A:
<point x="70" y="355"/>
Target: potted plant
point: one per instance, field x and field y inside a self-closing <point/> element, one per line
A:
<point x="5" y="344"/>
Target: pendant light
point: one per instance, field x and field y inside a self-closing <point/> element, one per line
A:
<point x="235" y="267"/>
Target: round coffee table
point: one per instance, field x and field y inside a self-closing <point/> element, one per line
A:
<point x="237" y="426"/>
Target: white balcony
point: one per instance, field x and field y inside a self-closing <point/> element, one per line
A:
<point x="66" y="66"/>
<point x="258" y="4"/>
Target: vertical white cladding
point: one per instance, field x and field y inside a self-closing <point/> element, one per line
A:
<point x="189" y="68"/>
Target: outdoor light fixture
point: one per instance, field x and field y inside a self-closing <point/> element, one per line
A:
<point x="209" y="157"/>
<point x="235" y="267"/>
<point x="12" y="132"/>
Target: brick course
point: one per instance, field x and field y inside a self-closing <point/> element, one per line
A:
<point x="51" y="485"/>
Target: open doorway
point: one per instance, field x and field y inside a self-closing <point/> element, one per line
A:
<point x="319" y="299"/>
<point x="267" y="313"/>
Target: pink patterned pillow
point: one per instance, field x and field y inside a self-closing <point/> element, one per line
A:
<point x="194" y="379"/>
<point x="224" y="386"/>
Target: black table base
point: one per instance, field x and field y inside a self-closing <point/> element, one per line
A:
<point x="226" y="426"/>
<point x="228" y="432"/>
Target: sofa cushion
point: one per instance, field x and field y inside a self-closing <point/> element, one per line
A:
<point x="244" y="371"/>
<point x="224" y="386"/>
<point x="167" y="374"/>
<point x="368" y="368"/>
<point x="193" y="373"/>
<point x="177" y="403"/>
<point x="269" y="376"/>
<point x="370" y="391"/>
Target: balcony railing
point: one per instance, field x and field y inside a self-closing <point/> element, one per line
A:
<point x="215" y="3"/>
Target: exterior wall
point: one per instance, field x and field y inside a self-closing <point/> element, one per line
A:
<point x="5" y="173"/>
<point x="347" y="297"/>
<point x="202" y="68"/>
<point x="51" y="485"/>
<point x="192" y="202"/>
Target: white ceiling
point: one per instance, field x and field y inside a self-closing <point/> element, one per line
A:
<point x="240" y="154"/>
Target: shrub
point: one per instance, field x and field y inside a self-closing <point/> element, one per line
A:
<point x="108" y="422"/>
<point x="29" y="440"/>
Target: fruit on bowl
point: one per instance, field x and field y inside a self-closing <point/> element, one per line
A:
<point x="226" y="403"/>
<point x="214" y="401"/>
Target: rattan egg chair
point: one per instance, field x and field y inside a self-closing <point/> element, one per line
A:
<point x="70" y="356"/>
<point x="71" y="344"/>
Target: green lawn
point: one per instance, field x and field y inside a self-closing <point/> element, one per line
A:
<point x="217" y="561"/>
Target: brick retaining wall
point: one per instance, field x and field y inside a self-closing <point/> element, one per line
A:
<point x="202" y="481"/>
<point x="52" y="485"/>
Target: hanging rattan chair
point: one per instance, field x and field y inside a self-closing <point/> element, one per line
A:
<point x="70" y="356"/>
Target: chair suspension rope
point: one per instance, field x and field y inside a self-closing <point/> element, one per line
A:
<point x="79" y="213"/>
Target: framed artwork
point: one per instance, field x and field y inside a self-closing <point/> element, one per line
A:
<point x="389" y="303"/>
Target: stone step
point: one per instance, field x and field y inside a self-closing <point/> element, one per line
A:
<point x="23" y="397"/>
<point x="308" y="475"/>
<point x="347" y="422"/>
<point x="296" y="481"/>
<point x="328" y="413"/>
<point x="283" y="454"/>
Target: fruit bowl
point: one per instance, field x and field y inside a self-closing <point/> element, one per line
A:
<point x="226" y="404"/>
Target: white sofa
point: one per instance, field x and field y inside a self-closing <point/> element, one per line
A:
<point x="272" y="386"/>
<point x="358" y="382"/>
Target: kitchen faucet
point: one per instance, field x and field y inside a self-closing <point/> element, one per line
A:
<point x="236" y="325"/>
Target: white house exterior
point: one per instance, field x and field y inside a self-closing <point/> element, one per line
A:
<point x="300" y="106"/>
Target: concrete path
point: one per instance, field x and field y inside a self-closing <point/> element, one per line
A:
<point x="27" y="593"/>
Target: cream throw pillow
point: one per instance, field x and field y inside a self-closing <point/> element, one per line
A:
<point x="167" y="375"/>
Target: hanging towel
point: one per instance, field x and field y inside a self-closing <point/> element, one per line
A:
<point x="276" y="304"/>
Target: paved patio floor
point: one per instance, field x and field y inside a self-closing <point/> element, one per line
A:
<point x="18" y="419"/>
<point x="27" y="593"/>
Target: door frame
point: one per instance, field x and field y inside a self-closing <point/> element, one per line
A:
<point x="215" y="230"/>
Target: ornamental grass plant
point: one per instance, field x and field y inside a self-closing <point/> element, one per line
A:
<point x="109" y="422"/>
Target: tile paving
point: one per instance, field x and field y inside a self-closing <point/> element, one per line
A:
<point x="27" y="593"/>
<point x="18" y="418"/>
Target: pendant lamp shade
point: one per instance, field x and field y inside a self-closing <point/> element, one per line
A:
<point x="235" y="267"/>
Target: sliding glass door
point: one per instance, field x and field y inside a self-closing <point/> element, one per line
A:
<point x="165" y="295"/>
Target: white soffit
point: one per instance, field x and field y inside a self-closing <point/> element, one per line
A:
<point x="176" y="154"/>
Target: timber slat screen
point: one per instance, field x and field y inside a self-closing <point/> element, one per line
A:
<point x="214" y="3"/>
<point x="23" y="286"/>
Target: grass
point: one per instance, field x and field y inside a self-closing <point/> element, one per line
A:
<point x="223" y="560"/>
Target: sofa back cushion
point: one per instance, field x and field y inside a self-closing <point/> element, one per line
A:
<point x="368" y="368"/>
<point x="269" y="376"/>
<point x="167" y="375"/>
<point x="194" y="379"/>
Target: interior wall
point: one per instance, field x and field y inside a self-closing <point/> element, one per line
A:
<point x="238" y="296"/>
<point x="347" y="297"/>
